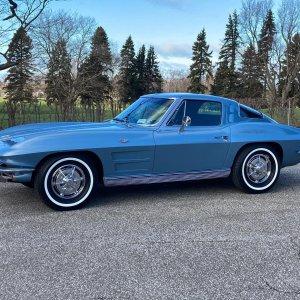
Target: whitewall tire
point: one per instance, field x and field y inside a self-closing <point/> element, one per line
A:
<point x="66" y="182"/>
<point x="256" y="169"/>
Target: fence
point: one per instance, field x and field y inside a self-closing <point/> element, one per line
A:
<point x="40" y="112"/>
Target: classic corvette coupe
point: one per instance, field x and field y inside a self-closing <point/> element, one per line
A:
<point x="159" y="138"/>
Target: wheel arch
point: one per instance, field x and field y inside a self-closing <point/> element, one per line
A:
<point x="277" y="147"/>
<point x="94" y="157"/>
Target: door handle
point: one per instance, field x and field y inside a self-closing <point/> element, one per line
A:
<point x="222" y="137"/>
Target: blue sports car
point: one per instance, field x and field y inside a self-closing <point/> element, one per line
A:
<point x="159" y="138"/>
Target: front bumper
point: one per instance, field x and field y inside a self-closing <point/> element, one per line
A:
<point x="15" y="174"/>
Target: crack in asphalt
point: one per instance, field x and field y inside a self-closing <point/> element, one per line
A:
<point x="154" y="244"/>
<point x="275" y="289"/>
<point x="291" y="290"/>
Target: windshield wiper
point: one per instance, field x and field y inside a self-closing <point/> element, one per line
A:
<point x="124" y="120"/>
<point x="120" y="120"/>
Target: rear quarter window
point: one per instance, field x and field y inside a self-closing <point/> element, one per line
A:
<point x="248" y="114"/>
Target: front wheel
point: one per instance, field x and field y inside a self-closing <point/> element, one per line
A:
<point x="256" y="169"/>
<point x="66" y="182"/>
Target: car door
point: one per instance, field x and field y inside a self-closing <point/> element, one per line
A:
<point x="131" y="152"/>
<point x="202" y="146"/>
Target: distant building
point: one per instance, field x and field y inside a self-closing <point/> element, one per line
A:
<point x="38" y="86"/>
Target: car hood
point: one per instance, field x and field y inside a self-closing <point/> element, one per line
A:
<point x="37" y="129"/>
<point x="37" y="140"/>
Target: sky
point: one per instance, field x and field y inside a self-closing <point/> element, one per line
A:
<point x="171" y="26"/>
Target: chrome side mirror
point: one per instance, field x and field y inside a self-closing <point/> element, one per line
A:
<point x="186" y="121"/>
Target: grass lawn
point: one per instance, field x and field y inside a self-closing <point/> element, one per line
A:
<point x="297" y="116"/>
<point x="294" y="120"/>
<point x="41" y="112"/>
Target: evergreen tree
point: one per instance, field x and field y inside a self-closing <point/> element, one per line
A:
<point x="18" y="88"/>
<point x="228" y="86"/>
<point x="153" y="77"/>
<point x="141" y="72"/>
<point x="266" y="38"/>
<point x="221" y="80"/>
<point x="59" y="80"/>
<point x="265" y="44"/>
<point x="201" y="66"/>
<point x="231" y="44"/>
<point x="127" y="74"/>
<point x="250" y="86"/>
<point x="94" y="72"/>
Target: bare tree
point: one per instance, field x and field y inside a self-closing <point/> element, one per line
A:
<point x="176" y="81"/>
<point x="289" y="19"/>
<point x="114" y="97"/>
<point x="288" y="25"/>
<point x="76" y="30"/>
<point x="251" y="18"/>
<point x="13" y="15"/>
<point x="287" y="22"/>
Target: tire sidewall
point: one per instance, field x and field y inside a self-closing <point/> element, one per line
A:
<point x="44" y="184"/>
<point x="275" y="163"/>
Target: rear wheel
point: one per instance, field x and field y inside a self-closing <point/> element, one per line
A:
<point x="66" y="182"/>
<point x="256" y="169"/>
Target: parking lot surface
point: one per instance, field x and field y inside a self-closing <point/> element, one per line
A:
<point x="196" y="240"/>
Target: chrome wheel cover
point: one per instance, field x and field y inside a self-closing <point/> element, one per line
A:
<point x="68" y="181"/>
<point x="259" y="168"/>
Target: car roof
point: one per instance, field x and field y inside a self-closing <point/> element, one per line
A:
<point x="190" y="96"/>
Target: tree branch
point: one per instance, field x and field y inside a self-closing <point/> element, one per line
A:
<point x="13" y="8"/>
<point x="24" y="18"/>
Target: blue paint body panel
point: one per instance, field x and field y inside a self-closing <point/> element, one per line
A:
<point x="139" y="153"/>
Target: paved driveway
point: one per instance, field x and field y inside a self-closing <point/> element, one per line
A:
<point x="196" y="240"/>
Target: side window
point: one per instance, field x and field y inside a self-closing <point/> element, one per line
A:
<point x="202" y="113"/>
<point x="177" y="117"/>
<point x="245" y="113"/>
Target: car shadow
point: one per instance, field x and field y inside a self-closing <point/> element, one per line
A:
<point x="26" y="199"/>
<point x="150" y="192"/>
<point x="288" y="182"/>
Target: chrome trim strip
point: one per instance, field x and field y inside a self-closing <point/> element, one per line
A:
<point x="166" y="177"/>
<point x="15" y="170"/>
<point x="13" y="174"/>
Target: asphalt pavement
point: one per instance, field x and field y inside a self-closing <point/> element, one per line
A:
<point x="194" y="240"/>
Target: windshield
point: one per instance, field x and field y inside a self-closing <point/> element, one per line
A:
<point x="146" y="111"/>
